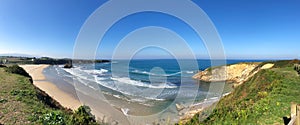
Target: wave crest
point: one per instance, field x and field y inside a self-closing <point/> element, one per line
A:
<point x="129" y="81"/>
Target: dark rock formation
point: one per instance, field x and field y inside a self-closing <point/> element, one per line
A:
<point x="68" y="66"/>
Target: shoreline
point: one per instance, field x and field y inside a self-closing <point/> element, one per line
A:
<point x="39" y="80"/>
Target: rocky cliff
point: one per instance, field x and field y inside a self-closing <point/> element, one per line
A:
<point x="236" y="73"/>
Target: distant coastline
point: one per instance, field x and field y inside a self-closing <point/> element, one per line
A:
<point x="46" y="60"/>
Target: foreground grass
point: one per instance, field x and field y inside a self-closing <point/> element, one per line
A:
<point x="263" y="99"/>
<point x="21" y="103"/>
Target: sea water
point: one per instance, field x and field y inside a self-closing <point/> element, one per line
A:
<point x="135" y="88"/>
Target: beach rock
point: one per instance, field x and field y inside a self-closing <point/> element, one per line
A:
<point x="115" y="123"/>
<point x="190" y="114"/>
<point x="181" y="113"/>
<point x="68" y="66"/>
<point x="179" y="107"/>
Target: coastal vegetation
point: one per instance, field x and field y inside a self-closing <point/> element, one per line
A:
<point x="23" y="103"/>
<point x="264" y="98"/>
<point x="45" y="60"/>
<point x="17" y="70"/>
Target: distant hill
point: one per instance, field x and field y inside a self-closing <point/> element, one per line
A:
<point x="18" y="55"/>
<point x="45" y="60"/>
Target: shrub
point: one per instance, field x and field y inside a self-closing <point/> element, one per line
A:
<point x="17" y="70"/>
<point x="82" y="117"/>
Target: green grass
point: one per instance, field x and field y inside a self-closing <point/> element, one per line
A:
<point x="264" y="99"/>
<point x="19" y="104"/>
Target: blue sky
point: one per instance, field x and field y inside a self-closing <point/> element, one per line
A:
<point x="249" y="29"/>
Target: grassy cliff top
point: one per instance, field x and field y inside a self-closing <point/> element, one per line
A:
<point x="22" y="103"/>
<point x="265" y="98"/>
<point x="18" y="101"/>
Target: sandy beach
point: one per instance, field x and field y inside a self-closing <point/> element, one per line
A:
<point x="39" y="80"/>
<point x="100" y="109"/>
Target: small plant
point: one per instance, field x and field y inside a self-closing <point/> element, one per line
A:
<point x="3" y="100"/>
<point x="22" y="93"/>
<point x="53" y="118"/>
<point x="262" y="94"/>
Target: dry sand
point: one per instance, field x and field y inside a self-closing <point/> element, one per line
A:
<point x="39" y="80"/>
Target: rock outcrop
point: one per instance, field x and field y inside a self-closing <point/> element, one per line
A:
<point x="236" y="73"/>
<point x="68" y="66"/>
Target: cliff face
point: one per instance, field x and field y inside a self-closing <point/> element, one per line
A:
<point x="237" y="73"/>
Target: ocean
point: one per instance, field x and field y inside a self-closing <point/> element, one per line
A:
<point x="138" y="87"/>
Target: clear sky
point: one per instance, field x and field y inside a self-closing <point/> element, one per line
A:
<point x="249" y="29"/>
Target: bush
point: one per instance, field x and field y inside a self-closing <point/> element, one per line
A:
<point x="82" y="117"/>
<point x="17" y="70"/>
